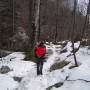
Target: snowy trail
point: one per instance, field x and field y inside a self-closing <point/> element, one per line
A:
<point x="43" y="81"/>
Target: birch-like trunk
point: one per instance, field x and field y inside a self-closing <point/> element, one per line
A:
<point x="37" y="17"/>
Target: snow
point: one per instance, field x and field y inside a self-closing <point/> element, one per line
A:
<point x="74" y="85"/>
<point x="7" y="83"/>
<point x="81" y="72"/>
<point x="17" y="55"/>
<point x="78" y="77"/>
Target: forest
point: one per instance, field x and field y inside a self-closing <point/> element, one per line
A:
<point x="26" y="22"/>
<point x="45" y="44"/>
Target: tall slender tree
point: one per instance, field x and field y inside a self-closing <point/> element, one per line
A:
<point x="37" y="20"/>
<point x="73" y="31"/>
<point x="57" y="13"/>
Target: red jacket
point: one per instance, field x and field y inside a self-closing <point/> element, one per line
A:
<point x="40" y="51"/>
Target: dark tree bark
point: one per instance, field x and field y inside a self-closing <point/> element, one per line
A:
<point x="73" y="32"/>
<point x="32" y="4"/>
<point x="56" y="31"/>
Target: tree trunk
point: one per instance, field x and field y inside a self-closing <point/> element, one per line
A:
<point x="32" y="24"/>
<point x="37" y="18"/>
<point x="73" y="32"/>
<point x="56" y="31"/>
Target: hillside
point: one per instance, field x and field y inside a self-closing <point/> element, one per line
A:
<point x="23" y="73"/>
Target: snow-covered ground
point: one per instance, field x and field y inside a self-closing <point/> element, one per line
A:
<point x="77" y="78"/>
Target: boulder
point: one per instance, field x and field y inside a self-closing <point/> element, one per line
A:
<point x="5" y="69"/>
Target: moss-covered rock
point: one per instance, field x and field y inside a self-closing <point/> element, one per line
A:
<point x="5" y="69"/>
<point x="59" y="65"/>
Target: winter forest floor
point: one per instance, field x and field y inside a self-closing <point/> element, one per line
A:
<point x="22" y="74"/>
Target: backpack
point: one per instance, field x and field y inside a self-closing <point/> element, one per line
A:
<point x="40" y="51"/>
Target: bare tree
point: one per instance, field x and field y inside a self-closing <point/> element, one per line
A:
<point x="86" y="20"/>
<point x="56" y="31"/>
<point x="73" y="31"/>
<point x="37" y="20"/>
<point x="32" y="11"/>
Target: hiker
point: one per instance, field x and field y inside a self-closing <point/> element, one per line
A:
<point x="40" y="51"/>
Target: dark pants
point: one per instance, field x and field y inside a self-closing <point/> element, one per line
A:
<point x="39" y="66"/>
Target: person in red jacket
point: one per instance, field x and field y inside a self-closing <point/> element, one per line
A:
<point x="40" y="51"/>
